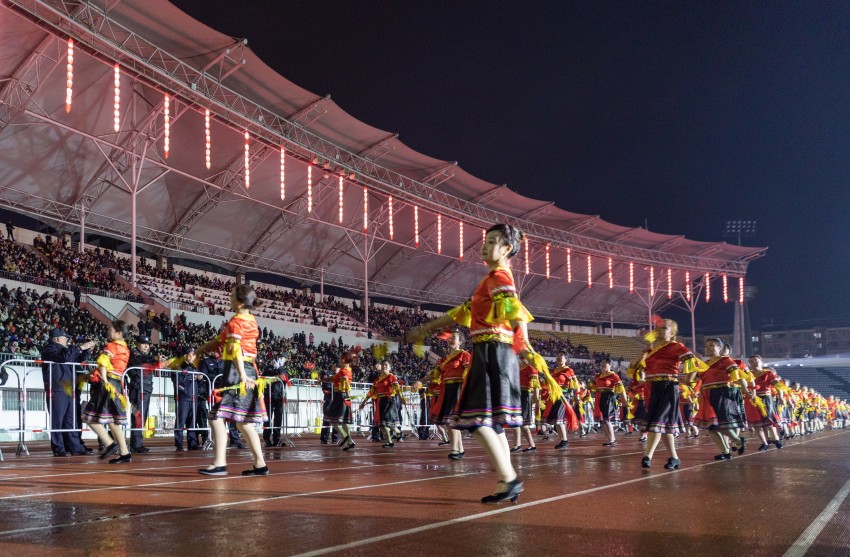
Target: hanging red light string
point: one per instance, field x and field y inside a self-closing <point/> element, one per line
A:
<point x="208" y="143"/>
<point x="569" y="266"/>
<point x="631" y="277"/>
<point x="416" y="225"/>
<point x="69" y="76"/>
<point x="610" y="273"/>
<point x="282" y="172"/>
<point x="365" y="209"/>
<point x="247" y="160"/>
<point x="669" y="283"/>
<point x="688" y="285"/>
<point x="392" y="232"/>
<point x="460" y="239"/>
<point x="651" y="282"/>
<point x="166" y="136"/>
<point x="527" y="254"/>
<point x="725" y="288"/>
<point x="547" y="260"/>
<point x="309" y="188"/>
<point x="741" y="290"/>
<point x="116" y="106"/>
<point x="589" y="273"/>
<point x="341" y="206"/>
<point x="707" y="287"/>
<point x="439" y="233"/>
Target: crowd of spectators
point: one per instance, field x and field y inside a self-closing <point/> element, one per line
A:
<point x="94" y="268"/>
<point x="18" y="260"/>
<point x="27" y="317"/>
<point x="392" y="323"/>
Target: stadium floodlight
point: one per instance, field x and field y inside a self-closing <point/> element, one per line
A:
<point x="740" y="229"/>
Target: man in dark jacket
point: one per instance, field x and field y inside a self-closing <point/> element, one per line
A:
<point x="139" y="375"/>
<point x="186" y="392"/>
<point x="60" y="382"/>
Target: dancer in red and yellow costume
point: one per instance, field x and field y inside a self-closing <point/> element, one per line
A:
<point x="559" y="412"/>
<point x="608" y="387"/>
<point x="241" y="397"/>
<point x="662" y="364"/>
<point x="529" y="386"/>
<point x="637" y="408"/>
<point x="108" y="405"/>
<point x="719" y="409"/>
<point x="490" y="398"/>
<point x="688" y="407"/>
<point x="452" y="370"/>
<point x="766" y="419"/>
<point x="385" y="413"/>
<point x="338" y="413"/>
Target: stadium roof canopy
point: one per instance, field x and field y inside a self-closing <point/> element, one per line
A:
<point x="65" y="166"/>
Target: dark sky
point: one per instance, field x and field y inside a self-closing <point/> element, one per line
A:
<point x="682" y="114"/>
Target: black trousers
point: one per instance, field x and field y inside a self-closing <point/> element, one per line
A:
<point x="185" y="415"/>
<point x="138" y="420"/>
<point x="272" y="426"/>
<point x="63" y="412"/>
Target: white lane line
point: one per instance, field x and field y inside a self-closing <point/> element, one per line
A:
<point x="807" y="538"/>
<point x="206" y="479"/>
<point x="513" y="508"/>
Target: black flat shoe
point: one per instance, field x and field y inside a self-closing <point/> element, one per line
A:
<point x="610" y="444"/>
<point x="516" y="449"/>
<point x="442" y="443"/>
<point x="457" y="456"/>
<point x="530" y="449"/>
<point x="646" y="462"/>
<point x="60" y="453"/>
<point x="724" y="456"/>
<point x="764" y="447"/>
<point x="743" y="446"/>
<point x="562" y="445"/>
<point x="345" y="440"/>
<point x="672" y="463"/>
<point x="778" y="444"/>
<point x="264" y="471"/>
<point x="511" y="494"/>
<point x="350" y="445"/>
<point x="388" y="445"/>
<point x="109" y="451"/>
<point x="122" y="459"/>
<point x="213" y="471"/>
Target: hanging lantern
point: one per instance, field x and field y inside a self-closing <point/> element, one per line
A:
<point x="610" y="273"/>
<point x="631" y="277"/>
<point x="527" y="255"/>
<point x="208" y="144"/>
<point x="390" y="201"/>
<point x="725" y="289"/>
<point x="166" y="132"/>
<point x="688" y="285"/>
<point x="282" y="172"/>
<point x="589" y="273"/>
<point x="569" y="266"/>
<point x="651" y="281"/>
<point x="116" y="106"/>
<point x="69" y="76"/>
<point x="247" y="160"/>
<point x="460" y="239"/>
<point x="547" y="260"/>
<point x="707" y="287"/>
<point x="439" y="233"/>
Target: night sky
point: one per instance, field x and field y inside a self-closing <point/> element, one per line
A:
<point x="680" y="115"/>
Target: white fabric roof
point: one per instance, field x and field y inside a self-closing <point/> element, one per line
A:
<point x="51" y="162"/>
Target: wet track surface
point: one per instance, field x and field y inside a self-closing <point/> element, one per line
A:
<point x="412" y="500"/>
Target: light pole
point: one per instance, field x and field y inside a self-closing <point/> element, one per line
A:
<point x="742" y="333"/>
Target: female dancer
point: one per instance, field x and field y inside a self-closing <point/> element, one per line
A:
<point x="765" y="382"/>
<point x="339" y="409"/>
<point x="453" y="368"/>
<point x="529" y="385"/>
<point x="241" y="400"/>
<point x="559" y="412"/>
<point x="608" y="386"/>
<point x="719" y="410"/>
<point x="662" y="363"/>
<point x="637" y="408"/>
<point x="384" y="391"/>
<point x="107" y="404"/>
<point x="490" y="399"/>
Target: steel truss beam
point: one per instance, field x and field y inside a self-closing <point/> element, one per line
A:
<point x="108" y="38"/>
<point x="17" y="91"/>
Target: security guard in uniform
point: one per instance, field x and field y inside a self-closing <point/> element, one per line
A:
<point x="139" y="389"/>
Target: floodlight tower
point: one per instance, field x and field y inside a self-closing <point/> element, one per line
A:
<point x="742" y="332"/>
